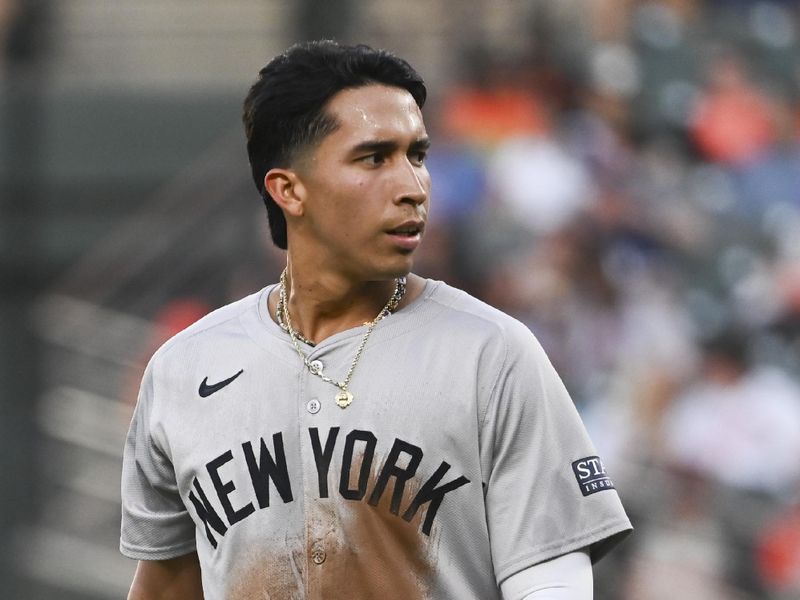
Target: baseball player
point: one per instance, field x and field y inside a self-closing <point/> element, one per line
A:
<point x="354" y="430"/>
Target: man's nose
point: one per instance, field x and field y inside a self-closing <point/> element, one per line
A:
<point x="412" y="183"/>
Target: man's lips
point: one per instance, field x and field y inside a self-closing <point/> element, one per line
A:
<point x="408" y="234"/>
<point x="408" y="228"/>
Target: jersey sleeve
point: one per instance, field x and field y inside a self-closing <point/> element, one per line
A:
<point x="547" y="492"/>
<point x="155" y="522"/>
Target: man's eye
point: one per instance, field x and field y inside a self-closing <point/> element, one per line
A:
<point x="419" y="156"/>
<point x="373" y="159"/>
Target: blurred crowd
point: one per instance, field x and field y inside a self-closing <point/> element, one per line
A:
<point x="633" y="196"/>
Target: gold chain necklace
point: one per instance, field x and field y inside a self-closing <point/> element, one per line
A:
<point x="344" y="397"/>
<point x="281" y="310"/>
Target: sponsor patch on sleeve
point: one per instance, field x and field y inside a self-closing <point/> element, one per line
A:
<point x="591" y="475"/>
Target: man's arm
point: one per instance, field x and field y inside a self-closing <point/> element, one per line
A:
<point x="568" y="577"/>
<point x="173" y="579"/>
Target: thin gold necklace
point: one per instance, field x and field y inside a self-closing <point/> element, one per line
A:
<point x="344" y="397"/>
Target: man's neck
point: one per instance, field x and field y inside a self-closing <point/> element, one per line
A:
<point x="323" y="304"/>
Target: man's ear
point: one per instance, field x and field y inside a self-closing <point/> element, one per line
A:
<point x="286" y="190"/>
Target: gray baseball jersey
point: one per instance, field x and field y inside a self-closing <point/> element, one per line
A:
<point x="461" y="460"/>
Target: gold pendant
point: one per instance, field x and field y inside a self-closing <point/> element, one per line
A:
<point x="343" y="399"/>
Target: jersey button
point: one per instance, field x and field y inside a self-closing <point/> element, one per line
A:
<point x="318" y="556"/>
<point x="313" y="406"/>
<point x="315" y="366"/>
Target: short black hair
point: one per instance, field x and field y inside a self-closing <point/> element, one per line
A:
<point x="284" y="111"/>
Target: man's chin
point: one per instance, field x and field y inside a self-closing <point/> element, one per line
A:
<point x="391" y="267"/>
<point x="402" y="270"/>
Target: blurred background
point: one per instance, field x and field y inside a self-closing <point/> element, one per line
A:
<point x="623" y="176"/>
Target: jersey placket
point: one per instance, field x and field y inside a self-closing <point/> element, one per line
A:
<point x="317" y="413"/>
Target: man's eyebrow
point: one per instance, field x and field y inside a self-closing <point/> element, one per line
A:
<point x="423" y="143"/>
<point x="375" y="146"/>
<point x="387" y="146"/>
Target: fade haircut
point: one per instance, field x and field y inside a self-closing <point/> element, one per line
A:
<point x="285" y="110"/>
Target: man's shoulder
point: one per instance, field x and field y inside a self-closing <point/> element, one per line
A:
<point x="217" y="325"/>
<point x="461" y="309"/>
<point x="500" y="342"/>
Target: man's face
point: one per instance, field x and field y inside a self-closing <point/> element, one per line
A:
<point x="366" y="185"/>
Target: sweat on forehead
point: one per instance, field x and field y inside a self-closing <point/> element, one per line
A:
<point x="374" y="105"/>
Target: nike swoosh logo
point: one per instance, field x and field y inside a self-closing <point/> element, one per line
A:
<point x="206" y="390"/>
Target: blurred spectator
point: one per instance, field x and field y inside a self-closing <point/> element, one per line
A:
<point x="731" y="123"/>
<point x="543" y="185"/>
<point x="684" y="554"/>
<point x="773" y="176"/>
<point x="740" y="424"/>
<point x="779" y="553"/>
<point x="493" y="103"/>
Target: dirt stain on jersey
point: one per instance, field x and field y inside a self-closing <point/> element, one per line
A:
<point x="372" y="553"/>
<point x="354" y="550"/>
<point x="275" y="575"/>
